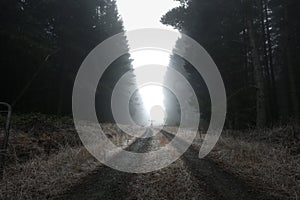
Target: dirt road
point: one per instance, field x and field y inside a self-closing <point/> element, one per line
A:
<point x="187" y="178"/>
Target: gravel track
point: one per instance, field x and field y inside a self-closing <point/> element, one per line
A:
<point x="219" y="182"/>
<point x="187" y="178"/>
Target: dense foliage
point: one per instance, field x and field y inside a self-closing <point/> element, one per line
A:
<point x="255" y="45"/>
<point x="43" y="44"/>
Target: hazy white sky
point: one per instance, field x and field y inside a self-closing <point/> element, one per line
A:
<point x="138" y="14"/>
<point x="144" y="13"/>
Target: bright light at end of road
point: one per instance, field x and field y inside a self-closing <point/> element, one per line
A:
<point x="137" y="14"/>
<point x="157" y="115"/>
<point x="152" y="94"/>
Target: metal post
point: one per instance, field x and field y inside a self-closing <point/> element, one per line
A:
<point x="3" y="149"/>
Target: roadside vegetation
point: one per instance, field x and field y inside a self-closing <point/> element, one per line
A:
<point x="46" y="157"/>
<point x="267" y="159"/>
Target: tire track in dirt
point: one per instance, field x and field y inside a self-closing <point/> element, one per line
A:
<point x="105" y="182"/>
<point x="219" y="182"/>
<point x="173" y="182"/>
<point x="187" y="178"/>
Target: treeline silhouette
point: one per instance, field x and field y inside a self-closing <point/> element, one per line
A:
<point x="43" y="44"/>
<point x="255" y="44"/>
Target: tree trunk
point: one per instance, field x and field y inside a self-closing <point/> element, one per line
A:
<point x="290" y="66"/>
<point x="266" y="66"/>
<point x="261" y="118"/>
<point x="268" y="58"/>
<point x="62" y="86"/>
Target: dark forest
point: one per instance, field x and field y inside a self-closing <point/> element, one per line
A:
<point x="255" y="46"/>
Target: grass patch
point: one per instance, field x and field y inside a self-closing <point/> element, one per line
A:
<point x="267" y="159"/>
<point x="45" y="178"/>
<point x="46" y="157"/>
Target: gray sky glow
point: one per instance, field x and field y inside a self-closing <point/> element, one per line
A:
<point x="144" y="13"/>
<point x="138" y="14"/>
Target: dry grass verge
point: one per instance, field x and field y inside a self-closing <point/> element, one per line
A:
<point x="46" y="157"/>
<point x="271" y="165"/>
<point x="44" y="179"/>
